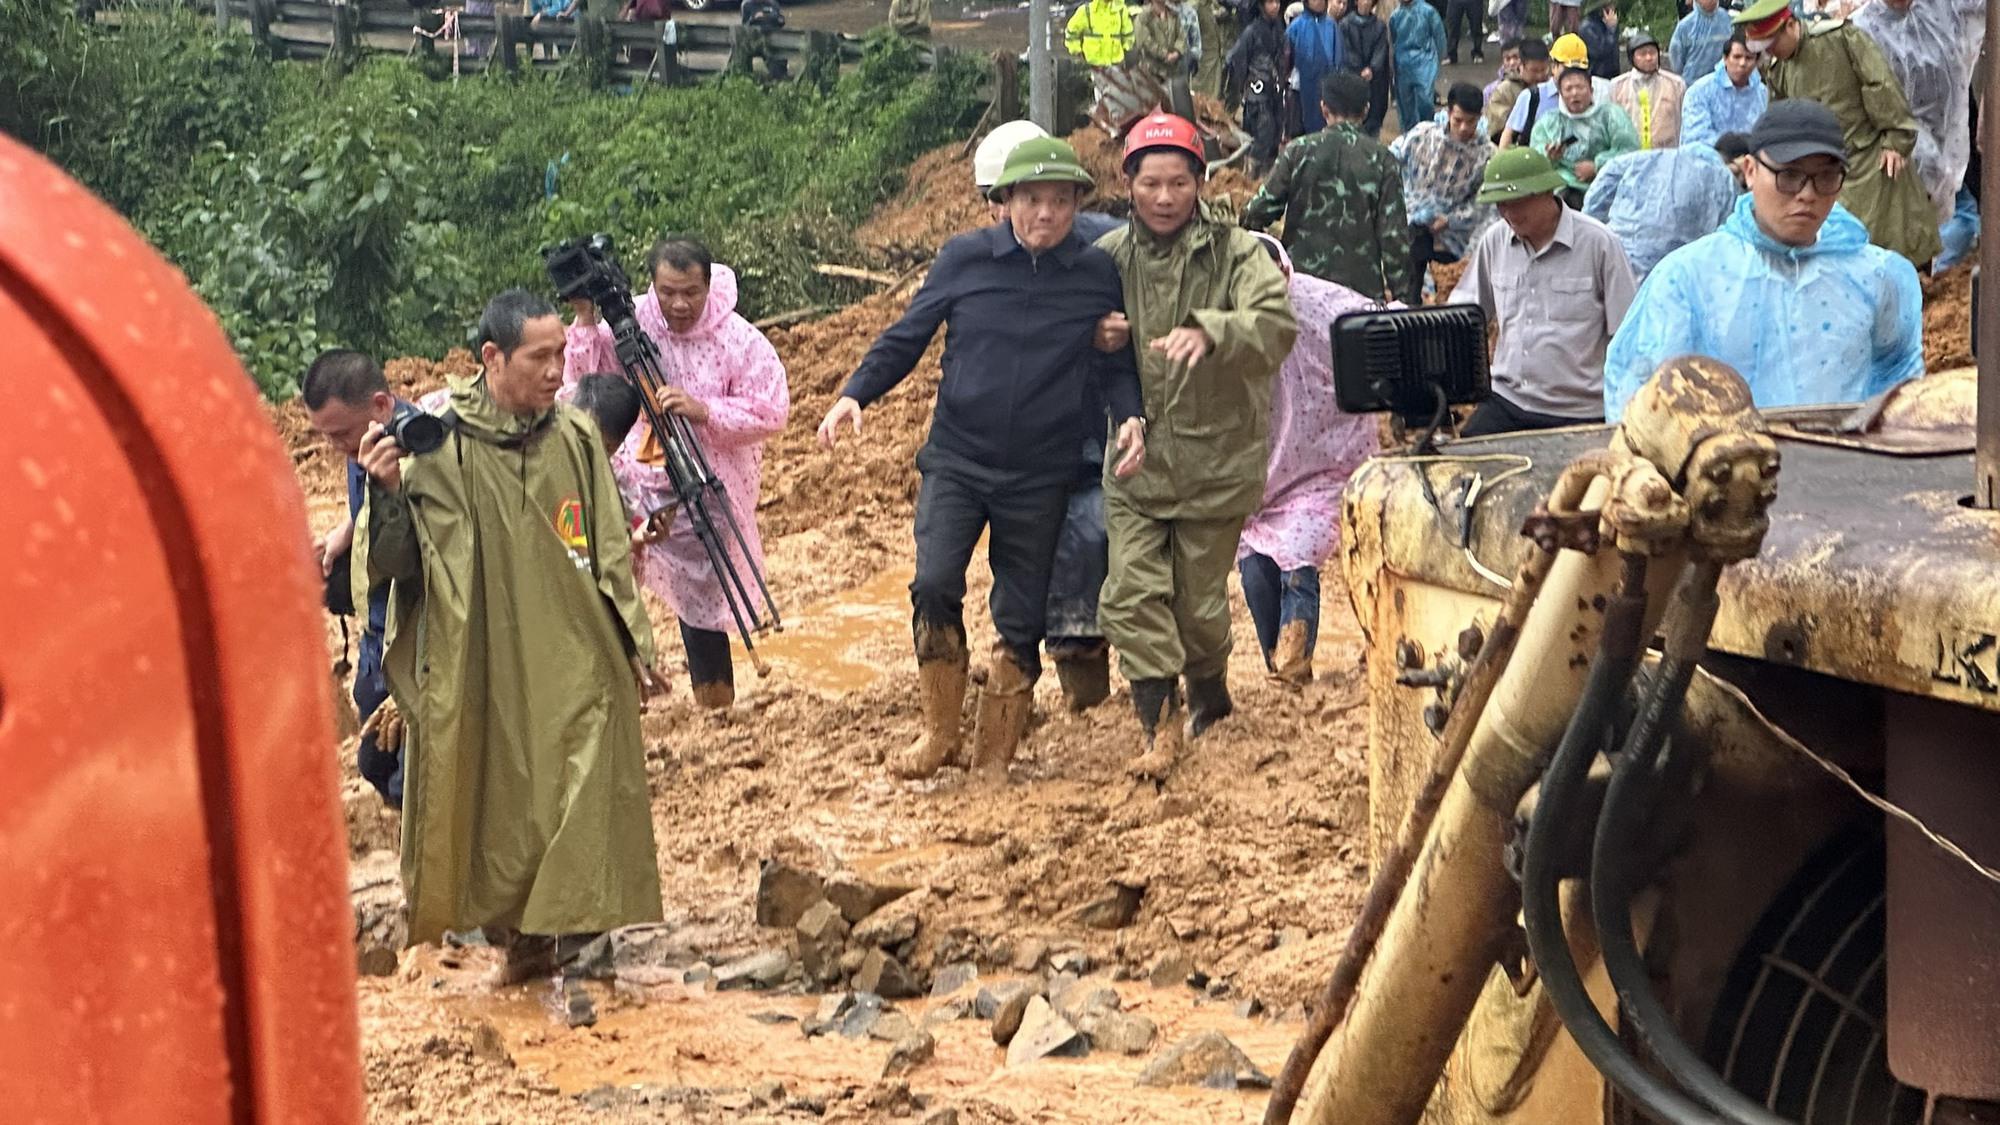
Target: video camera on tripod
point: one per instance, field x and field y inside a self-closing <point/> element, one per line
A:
<point x="587" y="268"/>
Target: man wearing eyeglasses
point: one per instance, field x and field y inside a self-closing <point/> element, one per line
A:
<point x="1789" y="292"/>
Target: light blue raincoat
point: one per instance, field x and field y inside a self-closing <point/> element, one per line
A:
<point x="1713" y="106"/>
<point x="1837" y="321"/>
<point x="1418" y="33"/>
<point x="1699" y="41"/>
<point x="1661" y="199"/>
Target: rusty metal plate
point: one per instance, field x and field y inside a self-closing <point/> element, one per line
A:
<point x="1872" y="571"/>
<point x="1926" y="417"/>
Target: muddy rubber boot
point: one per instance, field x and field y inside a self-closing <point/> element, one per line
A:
<point x="1084" y="673"/>
<point x="1208" y="702"/>
<point x="1290" y="664"/>
<point x="1004" y="708"/>
<point x="941" y="689"/>
<point x="1158" y="703"/>
<point x="715" y="696"/>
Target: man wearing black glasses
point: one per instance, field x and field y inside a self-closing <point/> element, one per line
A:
<point x="1789" y="292"/>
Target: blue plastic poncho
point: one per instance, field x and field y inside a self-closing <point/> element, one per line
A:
<point x="1315" y="40"/>
<point x="1699" y="41"/>
<point x="1714" y="106"/>
<point x="1418" y="33"/>
<point x="1661" y="199"/>
<point x="1932" y="46"/>
<point x="1836" y="321"/>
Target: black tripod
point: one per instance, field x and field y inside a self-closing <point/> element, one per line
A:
<point x="697" y="490"/>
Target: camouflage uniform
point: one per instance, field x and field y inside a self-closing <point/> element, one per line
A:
<point x="1341" y="195"/>
<point x="1155" y="35"/>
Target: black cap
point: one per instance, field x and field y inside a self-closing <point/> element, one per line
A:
<point x="1641" y="39"/>
<point x="1796" y="128"/>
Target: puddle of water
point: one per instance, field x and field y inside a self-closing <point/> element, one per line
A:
<point x="819" y="648"/>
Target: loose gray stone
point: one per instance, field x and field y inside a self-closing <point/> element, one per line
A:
<point x="1083" y="998"/>
<point x="1207" y="1058"/>
<point x="910" y="1052"/>
<point x="885" y="976"/>
<point x="1073" y="961"/>
<point x="948" y="1011"/>
<point x="827" y="1016"/>
<point x="893" y="1026"/>
<point x="857" y="900"/>
<point x="893" y="924"/>
<point x="1171" y="971"/>
<point x="1028" y="957"/>
<point x="785" y="893"/>
<point x="1043" y="1032"/>
<point x="1007" y="1018"/>
<point x="759" y="970"/>
<point x="862" y="1016"/>
<point x="951" y="978"/>
<point x="822" y="939"/>
<point x="1120" y="1032"/>
<point x="989" y="999"/>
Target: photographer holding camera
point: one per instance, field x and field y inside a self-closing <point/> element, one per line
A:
<point x="728" y="382"/>
<point x="344" y="394"/>
<point x="512" y="654"/>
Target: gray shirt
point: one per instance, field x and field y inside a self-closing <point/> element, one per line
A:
<point x="1557" y="310"/>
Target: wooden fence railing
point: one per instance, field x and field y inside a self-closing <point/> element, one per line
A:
<point x="691" y="45"/>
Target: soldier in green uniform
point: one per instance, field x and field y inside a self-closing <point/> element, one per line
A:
<point x="517" y="654"/>
<point x="1341" y="195"/>
<point x="1838" y="65"/>
<point x="1210" y="319"/>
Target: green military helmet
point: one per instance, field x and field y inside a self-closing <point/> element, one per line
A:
<point x="1517" y="173"/>
<point x="1042" y="160"/>
<point x="1759" y="11"/>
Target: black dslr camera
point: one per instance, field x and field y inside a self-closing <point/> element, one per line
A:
<point x="585" y="267"/>
<point x="416" y="431"/>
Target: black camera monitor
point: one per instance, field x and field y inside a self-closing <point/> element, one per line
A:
<point x="1410" y="362"/>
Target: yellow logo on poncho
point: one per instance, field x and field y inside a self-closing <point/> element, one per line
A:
<point x="569" y="525"/>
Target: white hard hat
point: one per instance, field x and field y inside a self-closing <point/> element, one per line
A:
<point x="991" y="155"/>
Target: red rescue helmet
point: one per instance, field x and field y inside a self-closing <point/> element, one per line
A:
<point x="1162" y="130"/>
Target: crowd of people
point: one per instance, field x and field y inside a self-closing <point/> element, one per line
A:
<point x="1130" y="410"/>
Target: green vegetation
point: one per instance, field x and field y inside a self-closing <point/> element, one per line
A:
<point x="380" y="208"/>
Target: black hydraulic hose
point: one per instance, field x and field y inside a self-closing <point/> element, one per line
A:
<point x="1541" y="901"/>
<point x="1627" y="804"/>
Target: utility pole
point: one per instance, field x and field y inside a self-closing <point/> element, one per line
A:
<point x="1042" y="67"/>
<point x="222" y="15"/>
<point x="1986" y="318"/>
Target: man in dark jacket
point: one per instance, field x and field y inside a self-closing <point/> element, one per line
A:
<point x="1256" y="69"/>
<point x="1020" y="301"/>
<point x="1600" y="35"/>
<point x="1364" y="50"/>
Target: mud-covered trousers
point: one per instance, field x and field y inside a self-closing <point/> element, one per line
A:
<point x="1077" y="577"/>
<point x="1166" y="599"/>
<point x="1279" y="597"/>
<point x="1025" y="516"/>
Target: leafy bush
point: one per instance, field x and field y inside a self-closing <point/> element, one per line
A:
<point x="380" y="208"/>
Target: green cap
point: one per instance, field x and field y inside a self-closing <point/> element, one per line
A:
<point x="1759" y="11"/>
<point x="1042" y="160"/>
<point x="1517" y="173"/>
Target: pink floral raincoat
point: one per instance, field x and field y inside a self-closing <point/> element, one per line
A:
<point x="1315" y="446"/>
<point x="733" y="370"/>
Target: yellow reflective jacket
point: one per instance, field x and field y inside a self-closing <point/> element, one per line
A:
<point x="1100" y="31"/>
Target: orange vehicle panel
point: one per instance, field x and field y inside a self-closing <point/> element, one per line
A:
<point x="178" y="942"/>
